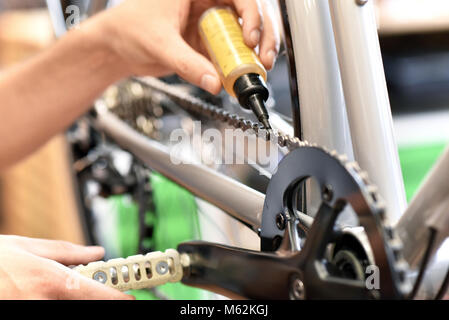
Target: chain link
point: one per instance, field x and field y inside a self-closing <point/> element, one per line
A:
<point x="196" y="105"/>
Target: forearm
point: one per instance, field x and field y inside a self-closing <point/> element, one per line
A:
<point x="145" y="37"/>
<point x="47" y="93"/>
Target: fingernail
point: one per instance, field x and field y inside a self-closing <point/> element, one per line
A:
<point x="209" y="83"/>
<point x="272" y="57"/>
<point x="255" y="36"/>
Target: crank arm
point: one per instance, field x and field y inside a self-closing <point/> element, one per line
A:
<point x="237" y="273"/>
<point x="232" y="272"/>
<point x="244" y="274"/>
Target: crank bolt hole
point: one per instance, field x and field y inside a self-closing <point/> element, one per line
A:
<point x="280" y="221"/>
<point x="328" y="194"/>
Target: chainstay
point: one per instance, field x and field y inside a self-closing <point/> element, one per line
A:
<point x="193" y="104"/>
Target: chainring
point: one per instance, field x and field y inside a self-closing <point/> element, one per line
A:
<point x="342" y="183"/>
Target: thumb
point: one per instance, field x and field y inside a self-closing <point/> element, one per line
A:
<point x="192" y="66"/>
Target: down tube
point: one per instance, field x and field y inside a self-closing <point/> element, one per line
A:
<point x="367" y="99"/>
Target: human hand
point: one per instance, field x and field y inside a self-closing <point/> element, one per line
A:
<point x="33" y="269"/>
<point x="153" y="37"/>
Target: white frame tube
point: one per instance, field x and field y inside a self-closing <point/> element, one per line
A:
<point x="322" y="106"/>
<point x="429" y="208"/>
<point x="323" y="112"/>
<point x="57" y="17"/>
<point x="367" y="99"/>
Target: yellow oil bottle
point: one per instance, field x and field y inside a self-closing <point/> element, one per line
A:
<point x="242" y="74"/>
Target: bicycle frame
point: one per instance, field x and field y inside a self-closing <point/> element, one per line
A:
<point x="343" y="94"/>
<point x="340" y="101"/>
<point x="344" y="105"/>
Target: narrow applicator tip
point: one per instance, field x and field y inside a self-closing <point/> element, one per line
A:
<point x="257" y="105"/>
<point x="266" y="123"/>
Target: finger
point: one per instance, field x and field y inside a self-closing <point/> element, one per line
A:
<point x="251" y="13"/>
<point x="191" y="65"/>
<point x="61" y="251"/>
<point x="74" y="286"/>
<point x="269" y="46"/>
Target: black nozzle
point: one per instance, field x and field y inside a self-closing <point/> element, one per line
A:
<point x="257" y="105"/>
<point x="252" y="93"/>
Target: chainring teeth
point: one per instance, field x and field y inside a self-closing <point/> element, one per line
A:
<point x="392" y="240"/>
<point x="400" y="266"/>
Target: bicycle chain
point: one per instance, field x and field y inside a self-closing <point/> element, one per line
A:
<point x="198" y="106"/>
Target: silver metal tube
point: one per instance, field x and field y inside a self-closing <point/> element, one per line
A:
<point x="323" y="112"/>
<point x="428" y="209"/>
<point x="56" y="11"/>
<point x="367" y="99"/>
<point x="238" y="200"/>
<point x="57" y="17"/>
<point x="435" y="274"/>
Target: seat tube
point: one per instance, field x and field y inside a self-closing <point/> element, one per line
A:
<point x="322" y="112"/>
<point x="367" y="101"/>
